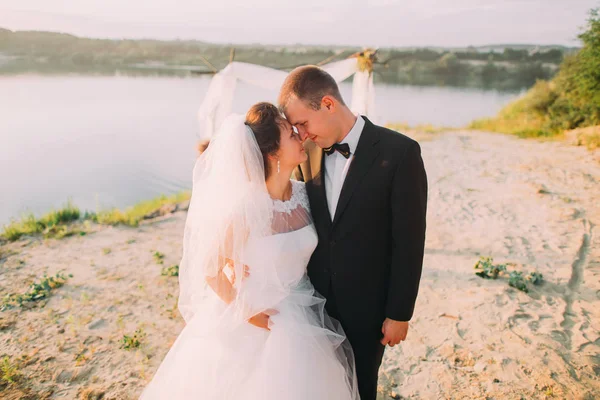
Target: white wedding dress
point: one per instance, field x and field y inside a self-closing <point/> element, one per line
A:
<point x="305" y="355"/>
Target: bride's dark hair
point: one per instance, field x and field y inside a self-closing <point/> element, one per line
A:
<point x="264" y="119"/>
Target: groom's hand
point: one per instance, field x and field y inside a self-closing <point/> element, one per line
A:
<point x="393" y="332"/>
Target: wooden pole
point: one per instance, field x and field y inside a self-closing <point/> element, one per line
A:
<point x="325" y="61"/>
<point x="231" y="55"/>
<point x="208" y="64"/>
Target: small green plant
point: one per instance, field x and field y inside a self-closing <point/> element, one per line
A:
<point x="81" y="357"/>
<point x="134" y="341"/>
<point x="9" y="372"/>
<point x="106" y="250"/>
<point x="548" y="390"/>
<point x="489" y="270"/>
<point x="516" y="280"/>
<point x="36" y="292"/>
<point x="173" y="270"/>
<point x="158" y="257"/>
<point x="535" y="277"/>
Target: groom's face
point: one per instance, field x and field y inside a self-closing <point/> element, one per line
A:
<point x="315" y="125"/>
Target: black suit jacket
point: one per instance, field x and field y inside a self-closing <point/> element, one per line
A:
<point x="371" y="254"/>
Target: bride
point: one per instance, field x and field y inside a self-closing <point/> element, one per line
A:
<point x="255" y="327"/>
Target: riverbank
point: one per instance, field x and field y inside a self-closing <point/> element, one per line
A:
<point x="70" y="220"/>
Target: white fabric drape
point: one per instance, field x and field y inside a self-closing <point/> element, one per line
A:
<point x="217" y="104"/>
<point x="363" y="94"/>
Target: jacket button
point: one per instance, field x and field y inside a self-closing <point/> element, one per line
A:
<point x="332" y="243"/>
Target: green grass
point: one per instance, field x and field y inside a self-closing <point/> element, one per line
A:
<point x="52" y="224"/>
<point x="525" y="117"/>
<point x="133" y="215"/>
<point x="529" y="117"/>
<point x="56" y="224"/>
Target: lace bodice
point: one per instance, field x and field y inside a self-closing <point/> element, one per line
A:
<point x="292" y="243"/>
<point x="294" y="213"/>
<point x="299" y="198"/>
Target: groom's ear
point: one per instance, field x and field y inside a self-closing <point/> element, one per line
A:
<point x="328" y="103"/>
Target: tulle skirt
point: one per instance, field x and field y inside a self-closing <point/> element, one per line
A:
<point x="305" y="356"/>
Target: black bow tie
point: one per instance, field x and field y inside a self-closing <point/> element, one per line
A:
<point x="342" y="148"/>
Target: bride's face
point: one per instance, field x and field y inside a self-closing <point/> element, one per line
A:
<point x="291" y="152"/>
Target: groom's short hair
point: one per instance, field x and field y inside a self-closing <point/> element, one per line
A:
<point x="309" y="84"/>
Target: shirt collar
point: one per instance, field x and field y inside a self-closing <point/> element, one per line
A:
<point x="354" y="134"/>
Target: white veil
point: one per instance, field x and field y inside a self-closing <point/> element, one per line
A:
<point x="229" y="205"/>
<point x="232" y="221"/>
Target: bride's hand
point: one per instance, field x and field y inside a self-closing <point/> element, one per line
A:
<point x="230" y="264"/>
<point x="261" y="320"/>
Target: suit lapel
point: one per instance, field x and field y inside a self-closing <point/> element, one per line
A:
<point x="366" y="153"/>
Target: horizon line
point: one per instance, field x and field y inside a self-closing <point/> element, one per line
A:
<point x="292" y="45"/>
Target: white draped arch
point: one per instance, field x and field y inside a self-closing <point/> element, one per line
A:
<point x="217" y="104"/>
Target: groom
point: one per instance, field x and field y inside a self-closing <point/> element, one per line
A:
<point x="367" y="189"/>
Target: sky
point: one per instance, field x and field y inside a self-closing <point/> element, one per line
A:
<point x="376" y="23"/>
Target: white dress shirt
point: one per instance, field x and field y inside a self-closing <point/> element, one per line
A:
<point x="336" y="166"/>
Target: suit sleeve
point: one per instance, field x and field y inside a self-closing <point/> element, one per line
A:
<point x="409" y="209"/>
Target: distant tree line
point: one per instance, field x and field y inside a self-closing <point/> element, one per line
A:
<point x="55" y="53"/>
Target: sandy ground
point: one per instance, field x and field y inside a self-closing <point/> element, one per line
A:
<point x="534" y="205"/>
